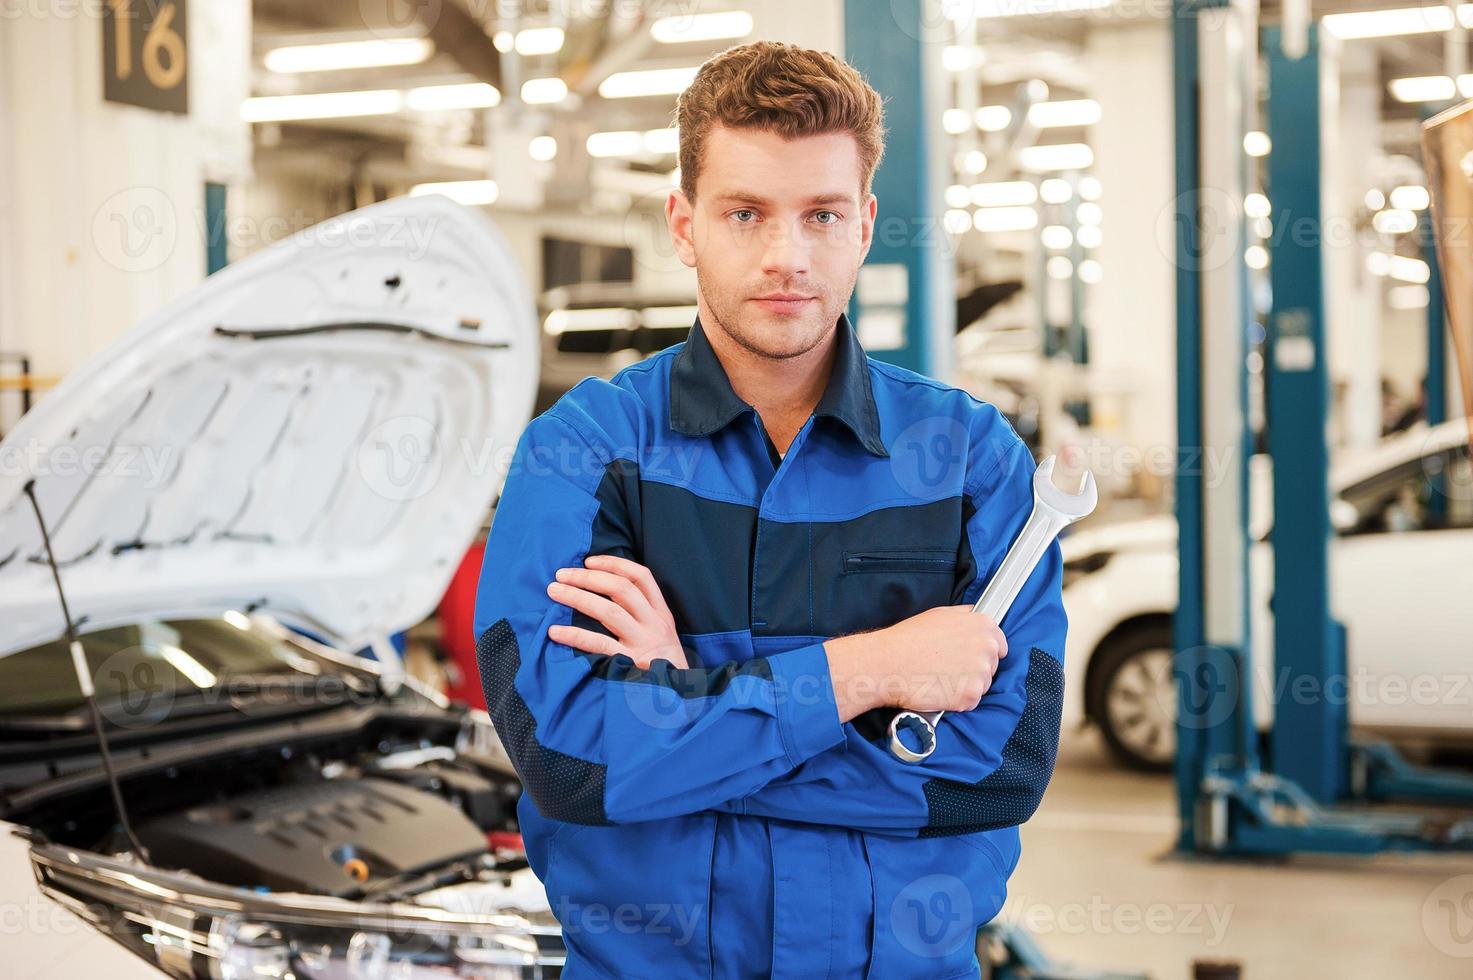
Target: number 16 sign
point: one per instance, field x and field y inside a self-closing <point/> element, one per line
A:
<point x="145" y="61"/>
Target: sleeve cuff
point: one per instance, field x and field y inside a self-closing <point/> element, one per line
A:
<point x="807" y="715"/>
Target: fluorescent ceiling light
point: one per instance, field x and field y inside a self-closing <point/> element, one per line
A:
<point x="665" y="317"/>
<point x="630" y="143"/>
<point x="600" y="318"/>
<point x="1389" y="23"/>
<point x="1057" y="237"/>
<point x="992" y="118"/>
<point x="1035" y="8"/>
<point x="1004" y="193"/>
<point x="1394" y="221"/>
<point x="1407" y="297"/>
<point x="1410" y="197"/>
<point x="1055" y="190"/>
<point x="961" y="57"/>
<point x="1256" y="144"/>
<point x="1089" y="236"/>
<point x="958" y="196"/>
<point x="544" y="91"/>
<point x="621" y="143"/>
<point x="974" y="162"/>
<point x="338" y="55"/>
<point x="1090" y="188"/>
<point x="539" y="40"/>
<point x="702" y="27"/>
<point x="1090" y="271"/>
<point x="955" y="121"/>
<point x="957" y="221"/>
<point x="1072" y="112"/>
<point x="469" y="192"/>
<point x="654" y="81"/>
<point x="1408" y="269"/>
<point x="323" y="105"/>
<point x="542" y="148"/>
<point x="1255" y="257"/>
<point x="1256" y="205"/>
<point x="1089" y="215"/>
<point x="1423" y="88"/>
<point x="1004" y="219"/>
<point x="1056" y="156"/>
<point x="469" y="95"/>
<point x="1058" y="267"/>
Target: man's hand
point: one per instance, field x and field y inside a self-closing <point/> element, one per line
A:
<point x="942" y="659"/>
<point x="623" y="596"/>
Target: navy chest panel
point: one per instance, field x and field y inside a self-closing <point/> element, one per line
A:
<point x="723" y="567"/>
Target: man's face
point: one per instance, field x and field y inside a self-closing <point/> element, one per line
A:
<point x="775" y="217"/>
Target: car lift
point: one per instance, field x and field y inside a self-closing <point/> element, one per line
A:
<point x="1227" y="803"/>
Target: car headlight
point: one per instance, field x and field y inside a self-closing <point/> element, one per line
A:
<point x="194" y="928"/>
<point x="1076" y="568"/>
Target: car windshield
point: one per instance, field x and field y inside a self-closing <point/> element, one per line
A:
<point x="155" y="664"/>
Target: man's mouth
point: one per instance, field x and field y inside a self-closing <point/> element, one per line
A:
<point x="783" y="302"/>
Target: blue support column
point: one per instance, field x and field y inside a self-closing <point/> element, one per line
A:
<point x="1189" y="624"/>
<point x="1436" y="334"/>
<point x="1309" y="735"/>
<point x="216" y="241"/>
<point x="899" y="53"/>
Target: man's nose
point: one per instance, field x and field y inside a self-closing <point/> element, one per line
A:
<point x="786" y="251"/>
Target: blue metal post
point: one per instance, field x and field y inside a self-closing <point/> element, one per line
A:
<point x="1189" y="626"/>
<point x="898" y="51"/>
<point x="1309" y="735"/>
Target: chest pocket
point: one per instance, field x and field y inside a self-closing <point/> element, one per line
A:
<point x="917" y="560"/>
<point x="878" y="587"/>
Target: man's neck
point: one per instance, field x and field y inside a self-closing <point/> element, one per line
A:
<point x="783" y="390"/>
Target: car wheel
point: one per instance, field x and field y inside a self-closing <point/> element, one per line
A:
<point x="1133" y="698"/>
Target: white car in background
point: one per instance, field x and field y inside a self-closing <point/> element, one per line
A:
<point x="1401" y="580"/>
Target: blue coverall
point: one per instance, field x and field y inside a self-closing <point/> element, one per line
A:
<point x="718" y="820"/>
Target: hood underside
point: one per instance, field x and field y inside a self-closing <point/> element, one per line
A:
<point x="318" y="431"/>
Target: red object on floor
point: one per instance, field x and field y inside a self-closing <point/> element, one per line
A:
<point x="505" y="840"/>
<point x="457" y="623"/>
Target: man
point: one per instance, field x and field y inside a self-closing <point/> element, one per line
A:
<point x="711" y="580"/>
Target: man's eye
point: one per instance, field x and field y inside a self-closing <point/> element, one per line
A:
<point x="837" y="217"/>
<point x="743" y="211"/>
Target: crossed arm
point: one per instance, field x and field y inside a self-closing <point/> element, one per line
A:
<point x="620" y="727"/>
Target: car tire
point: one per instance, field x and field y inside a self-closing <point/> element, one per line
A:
<point x="1132" y="697"/>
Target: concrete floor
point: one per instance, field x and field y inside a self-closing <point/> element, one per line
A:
<point x="1098" y="888"/>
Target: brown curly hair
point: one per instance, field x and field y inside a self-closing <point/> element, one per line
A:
<point x="780" y="88"/>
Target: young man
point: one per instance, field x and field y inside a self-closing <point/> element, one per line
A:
<point x="711" y="580"/>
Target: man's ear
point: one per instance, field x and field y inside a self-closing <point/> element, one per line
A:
<point x="867" y="214"/>
<point x="680" y="218"/>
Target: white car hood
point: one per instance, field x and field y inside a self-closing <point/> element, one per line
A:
<point x="317" y="431"/>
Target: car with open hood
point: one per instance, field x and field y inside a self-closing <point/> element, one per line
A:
<point x="283" y="466"/>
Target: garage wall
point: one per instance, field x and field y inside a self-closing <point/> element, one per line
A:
<point x="101" y="205"/>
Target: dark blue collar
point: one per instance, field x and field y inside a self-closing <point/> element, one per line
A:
<point x="702" y="400"/>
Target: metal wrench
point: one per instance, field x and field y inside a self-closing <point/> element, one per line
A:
<point x="1053" y="510"/>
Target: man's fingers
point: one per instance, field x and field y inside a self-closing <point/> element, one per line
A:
<point x="586" y="640"/>
<point x="616" y="587"/>
<point x="612" y="615"/>
<point x="640" y="575"/>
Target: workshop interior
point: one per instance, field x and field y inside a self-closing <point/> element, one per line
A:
<point x="282" y="283"/>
